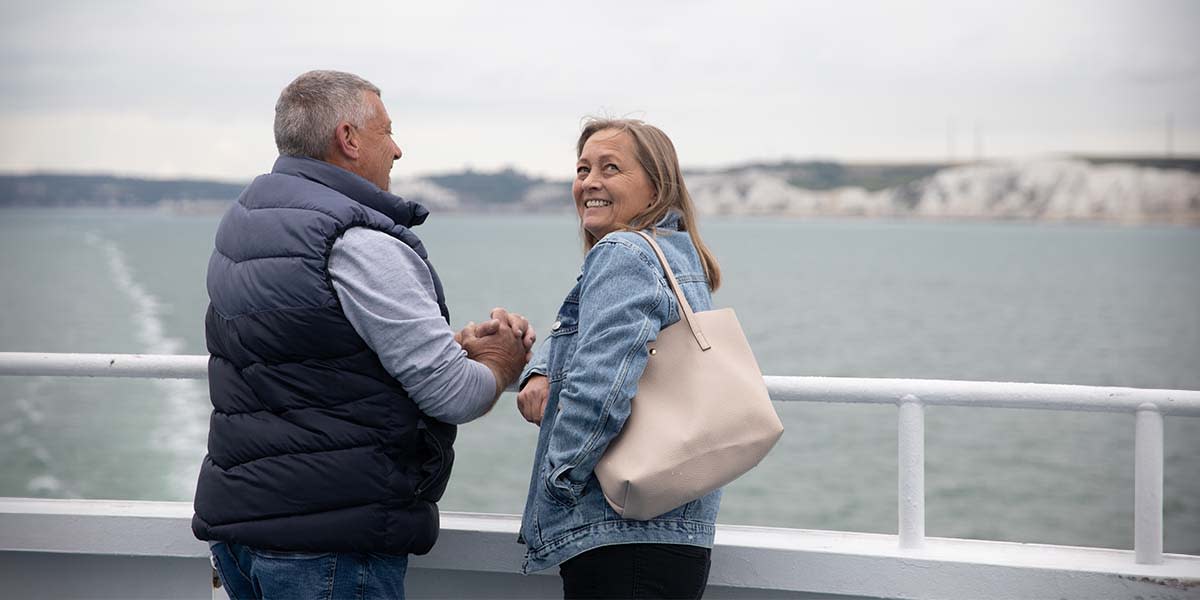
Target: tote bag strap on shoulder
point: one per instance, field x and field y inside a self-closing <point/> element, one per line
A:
<point x="701" y="415"/>
<point x="684" y="307"/>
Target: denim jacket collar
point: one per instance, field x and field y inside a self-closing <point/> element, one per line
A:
<point x="403" y="212"/>
<point x="673" y="220"/>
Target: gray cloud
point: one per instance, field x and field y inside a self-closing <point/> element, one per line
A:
<point x="187" y="88"/>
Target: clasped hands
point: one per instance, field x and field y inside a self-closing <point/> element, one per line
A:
<point x="503" y="343"/>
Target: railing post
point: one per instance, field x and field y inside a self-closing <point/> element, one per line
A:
<point x="1148" y="486"/>
<point x="912" y="472"/>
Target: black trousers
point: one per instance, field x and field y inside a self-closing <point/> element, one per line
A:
<point x="637" y="571"/>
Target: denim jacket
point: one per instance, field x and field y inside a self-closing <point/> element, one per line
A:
<point x="594" y="357"/>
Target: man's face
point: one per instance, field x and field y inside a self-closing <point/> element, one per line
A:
<point x="377" y="148"/>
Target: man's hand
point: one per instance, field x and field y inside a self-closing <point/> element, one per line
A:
<point x="497" y="346"/>
<point x="483" y="329"/>
<point x="531" y="401"/>
<point x="520" y="326"/>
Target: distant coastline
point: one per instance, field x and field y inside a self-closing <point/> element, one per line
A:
<point x="1109" y="189"/>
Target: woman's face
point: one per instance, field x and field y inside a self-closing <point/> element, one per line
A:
<point x="610" y="186"/>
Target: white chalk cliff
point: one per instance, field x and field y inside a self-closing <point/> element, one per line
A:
<point x="1039" y="189"/>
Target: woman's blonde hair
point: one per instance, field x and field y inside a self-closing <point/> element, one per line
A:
<point x="656" y="155"/>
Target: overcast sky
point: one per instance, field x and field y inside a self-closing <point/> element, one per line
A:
<point x="184" y="88"/>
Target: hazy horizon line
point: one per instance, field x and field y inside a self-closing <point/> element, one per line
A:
<point x="467" y="168"/>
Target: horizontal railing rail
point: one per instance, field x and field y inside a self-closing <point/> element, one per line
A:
<point x="143" y="366"/>
<point x="839" y="390"/>
<point x="911" y="396"/>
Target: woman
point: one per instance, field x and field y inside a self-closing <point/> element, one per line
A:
<point x="580" y="383"/>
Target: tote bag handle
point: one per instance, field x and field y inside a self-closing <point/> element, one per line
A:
<point x="684" y="306"/>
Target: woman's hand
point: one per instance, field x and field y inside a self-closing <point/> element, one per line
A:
<point x="531" y="400"/>
<point x="520" y="326"/>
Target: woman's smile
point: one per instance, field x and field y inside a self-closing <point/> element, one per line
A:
<point x="611" y="187"/>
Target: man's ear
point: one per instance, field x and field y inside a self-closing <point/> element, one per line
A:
<point x="346" y="142"/>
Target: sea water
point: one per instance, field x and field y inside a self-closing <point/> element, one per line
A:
<point x="1054" y="303"/>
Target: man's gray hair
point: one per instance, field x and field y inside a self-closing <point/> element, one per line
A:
<point x="310" y="108"/>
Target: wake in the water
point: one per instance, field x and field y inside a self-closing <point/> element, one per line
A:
<point x="23" y="433"/>
<point x="183" y="424"/>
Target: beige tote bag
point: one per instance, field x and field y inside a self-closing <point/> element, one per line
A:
<point x="700" y="419"/>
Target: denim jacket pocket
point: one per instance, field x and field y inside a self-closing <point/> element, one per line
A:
<point x="562" y="335"/>
<point x="567" y="324"/>
<point x="559" y="488"/>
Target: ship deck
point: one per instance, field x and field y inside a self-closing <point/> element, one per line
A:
<point x="129" y="549"/>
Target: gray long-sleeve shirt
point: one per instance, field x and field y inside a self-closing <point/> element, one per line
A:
<point x="387" y="293"/>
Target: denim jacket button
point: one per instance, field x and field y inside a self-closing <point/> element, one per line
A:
<point x="556" y="326"/>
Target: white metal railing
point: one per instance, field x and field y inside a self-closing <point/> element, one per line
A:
<point x="146" y="366"/>
<point x="910" y="395"/>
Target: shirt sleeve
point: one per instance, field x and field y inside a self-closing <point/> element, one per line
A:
<point x="387" y="294"/>
<point x="539" y="364"/>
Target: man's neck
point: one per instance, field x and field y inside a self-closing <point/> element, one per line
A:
<point x="341" y="162"/>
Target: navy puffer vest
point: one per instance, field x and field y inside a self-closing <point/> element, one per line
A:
<point x="312" y="445"/>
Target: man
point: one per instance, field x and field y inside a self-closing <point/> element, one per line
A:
<point x="335" y="378"/>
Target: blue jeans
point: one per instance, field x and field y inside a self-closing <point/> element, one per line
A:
<point x="254" y="573"/>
